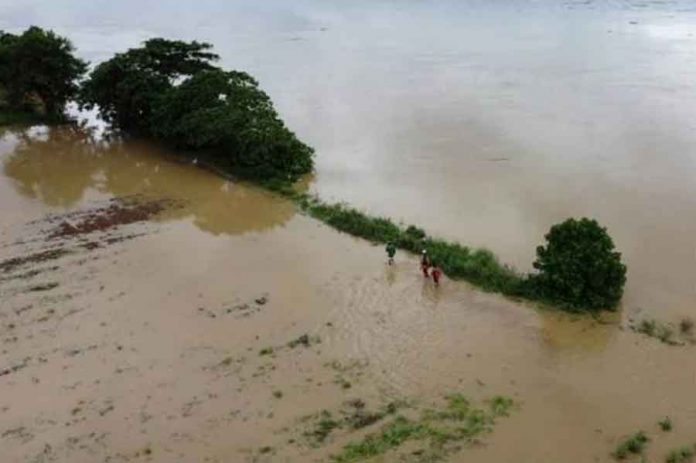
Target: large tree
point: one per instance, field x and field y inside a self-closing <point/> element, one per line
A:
<point x="171" y="91"/>
<point x="228" y="116"/>
<point x="126" y="87"/>
<point x="38" y="67"/>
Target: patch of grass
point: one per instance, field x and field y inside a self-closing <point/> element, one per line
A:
<point x="682" y="455"/>
<point x="666" y="424"/>
<point x="647" y="327"/>
<point x="632" y="445"/>
<point x="305" y="340"/>
<point x="501" y="405"/>
<point x="478" y="266"/>
<point x="654" y="329"/>
<point x="439" y="430"/>
<point x="324" y="427"/>
<point x="686" y="326"/>
<point x="390" y="436"/>
<point x="266" y="351"/>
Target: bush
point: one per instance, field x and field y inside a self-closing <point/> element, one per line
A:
<point x="579" y="267"/>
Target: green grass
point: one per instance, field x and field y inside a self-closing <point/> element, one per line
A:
<point x="658" y="330"/>
<point x="390" y="436"/>
<point x="632" y="445"/>
<point x="666" y="424"/>
<point x="477" y="266"/>
<point x="682" y="455"/>
<point x="266" y="351"/>
<point x="439" y="431"/>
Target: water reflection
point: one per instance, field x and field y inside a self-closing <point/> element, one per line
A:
<point x="64" y="167"/>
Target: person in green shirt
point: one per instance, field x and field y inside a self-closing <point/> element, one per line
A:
<point x="391" y="251"/>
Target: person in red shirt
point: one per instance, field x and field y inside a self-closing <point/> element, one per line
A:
<point x="436" y="273"/>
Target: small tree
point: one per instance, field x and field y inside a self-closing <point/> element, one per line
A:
<point x="38" y="66"/>
<point x="579" y="266"/>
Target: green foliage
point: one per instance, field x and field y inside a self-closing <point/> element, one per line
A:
<point x="126" y="87"/>
<point x="391" y="436"/>
<point x="266" y="351"/>
<point x="666" y="424"/>
<point x="233" y="121"/>
<point x="479" y="266"/>
<point x="634" y="444"/>
<point x="682" y="455"/>
<point x="169" y="90"/>
<point x="38" y="69"/>
<point x="654" y="329"/>
<point x="440" y="430"/>
<point x="579" y="267"/>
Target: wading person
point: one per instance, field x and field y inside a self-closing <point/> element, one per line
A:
<point x="436" y="273"/>
<point x="391" y="251"/>
<point x="425" y="263"/>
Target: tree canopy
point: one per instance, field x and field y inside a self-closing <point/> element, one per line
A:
<point x="38" y="68"/>
<point x="579" y="266"/>
<point x="126" y="87"/>
<point x="171" y="91"/>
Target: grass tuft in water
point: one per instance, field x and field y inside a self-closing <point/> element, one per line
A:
<point x="439" y="431"/>
<point x="682" y="455"/>
<point x="666" y="424"/>
<point x="632" y="445"/>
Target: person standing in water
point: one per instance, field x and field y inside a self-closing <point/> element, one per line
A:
<point x="436" y="273"/>
<point x="391" y="251"/>
<point x="425" y="263"/>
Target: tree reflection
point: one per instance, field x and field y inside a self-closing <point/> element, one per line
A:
<point x="67" y="166"/>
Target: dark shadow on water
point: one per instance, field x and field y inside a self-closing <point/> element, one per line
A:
<point x="67" y="166"/>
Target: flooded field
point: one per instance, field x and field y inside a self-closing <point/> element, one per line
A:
<point x="152" y="311"/>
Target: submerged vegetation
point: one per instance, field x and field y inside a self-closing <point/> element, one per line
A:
<point x="437" y="432"/>
<point x="632" y="445"/>
<point x="684" y="454"/>
<point x="429" y="433"/>
<point x="666" y="332"/>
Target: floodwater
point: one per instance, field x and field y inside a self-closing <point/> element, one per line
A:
<point x="484" y="121"/>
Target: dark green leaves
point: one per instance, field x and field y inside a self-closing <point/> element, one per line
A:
<point x="579" y="266"/>
<point x="38" y="71"/>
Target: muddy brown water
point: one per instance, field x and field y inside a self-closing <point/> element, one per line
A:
<point x="485" y="122"/>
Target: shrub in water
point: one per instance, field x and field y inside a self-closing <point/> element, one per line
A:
<point x="579" y="266"/>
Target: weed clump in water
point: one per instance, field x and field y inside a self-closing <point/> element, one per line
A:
<point x="439" y="430"/>
<point x="682" y="455"/>
<point x="634" y="444"/>
<point x="666" y="424"/>
<point x="661" y="331"/>
<point x="686" y="326"/>
<point x="266" y="351"/>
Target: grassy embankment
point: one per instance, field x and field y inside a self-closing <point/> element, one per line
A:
<point x="477" y="266"/>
